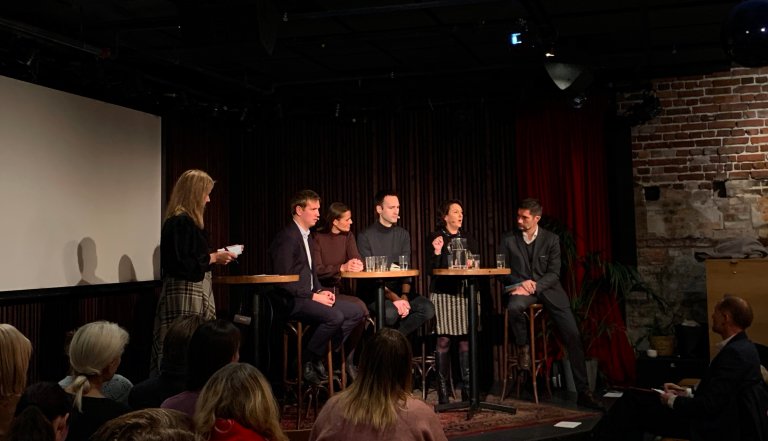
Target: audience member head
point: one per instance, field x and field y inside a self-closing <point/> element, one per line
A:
<point x="444" y="212"/>
<point x="15" y="351"/>
<point x="42" y="414"/>
<point x="239" y="392"/>
<point x="531" y="204"/>
<point x="176" y="343"/>
<point x="189" y="195"/>
<point x="213" y="345"/>
<point x="383" y="382"/>
<point x="95" y="353"/>
<point x="148" y="425"/>
<point x="333" y="217"/>
<point x="731" y="315"/>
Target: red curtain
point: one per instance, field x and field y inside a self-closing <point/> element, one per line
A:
<point x="560" y="159"/>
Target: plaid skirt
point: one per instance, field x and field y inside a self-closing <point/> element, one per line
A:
<point x="179" y="298"/>
<point x="452" y="312"/>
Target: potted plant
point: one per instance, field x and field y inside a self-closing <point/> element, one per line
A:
<point x="662" y="337"/>
<point x="589" y="279"/>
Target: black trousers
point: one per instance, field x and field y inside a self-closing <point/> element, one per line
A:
<point x="561" y="315"/>
<point x="421" y="310"/>
<point x="335" y="322"/>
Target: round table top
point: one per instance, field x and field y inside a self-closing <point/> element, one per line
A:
<point x="379" y="274"/>
<point x="471" y="272"/>
<point x="256" y="279"/>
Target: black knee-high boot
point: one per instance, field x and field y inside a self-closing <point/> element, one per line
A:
<point x="464" y="364"/>
<point x="443" y="360"/>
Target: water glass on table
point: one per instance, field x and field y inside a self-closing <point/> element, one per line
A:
<point x="370" y="263"/>
<point x="382" y="264"/>
<point x="501" y="261"/>
<point x="403" y="262"/>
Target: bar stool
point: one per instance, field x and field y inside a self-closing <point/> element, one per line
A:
<point x="539" y="364"/>
<point x="296" y="329"/>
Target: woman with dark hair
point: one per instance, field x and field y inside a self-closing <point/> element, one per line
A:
<point x="42" y="414"/>
<point x="335" y="251"/>
<point x="213" y="345"/>
<point x="450" y="299"/>
<point x="379" y="404"/>
<point x="186" y="259"/>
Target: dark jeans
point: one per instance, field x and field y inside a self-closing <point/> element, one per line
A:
<point x="336" y="322"/>
<point x="421" y="310"/>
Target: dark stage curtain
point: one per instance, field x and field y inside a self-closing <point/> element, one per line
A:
<point x="561" y="160"/>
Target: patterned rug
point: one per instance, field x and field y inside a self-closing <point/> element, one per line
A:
<point x="528" y="414"/>
<point x="456" y="425"/>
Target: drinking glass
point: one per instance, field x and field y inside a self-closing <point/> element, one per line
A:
<point x="476" y="261"/>
<point x="370" y="263"/>
<point x="501" y="261"/>
<point x="404" y="262"/>
<point x="382" y="264"/>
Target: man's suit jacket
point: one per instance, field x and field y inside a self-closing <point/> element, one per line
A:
<point x="544" y="268"/>
<point x="290" y="257"/>
<point x="720" y="408"/>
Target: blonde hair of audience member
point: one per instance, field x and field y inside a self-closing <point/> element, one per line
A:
<point x="189" y="195"/>
<point x="238" y="391"/>
<point x="148" y="425"/>
<point x="94" y="355"/>
<point x="383" y="383"/>
<point x="15" y="351"/>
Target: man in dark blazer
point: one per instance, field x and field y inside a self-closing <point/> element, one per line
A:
<point x="291" y="252"/>
<point x="729" y="404"/>
<point x="533" y="255"/>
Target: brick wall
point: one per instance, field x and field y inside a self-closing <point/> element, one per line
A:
<point x="701" y="176"/>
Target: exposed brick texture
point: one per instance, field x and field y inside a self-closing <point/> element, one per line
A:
<point x="707" y="151"/>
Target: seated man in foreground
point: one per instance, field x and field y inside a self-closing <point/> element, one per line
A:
<point x="730" y="402"/>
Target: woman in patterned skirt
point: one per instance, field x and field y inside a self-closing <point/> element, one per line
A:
<point x="186" y="258"/>
<point x="450" y="299"/>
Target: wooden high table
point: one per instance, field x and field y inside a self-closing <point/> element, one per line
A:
<point x="381" y="277"/>
<point x="474" y="404"/>
<point x="252" y="281"/>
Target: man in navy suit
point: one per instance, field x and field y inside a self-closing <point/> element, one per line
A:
<point x="291" y="252"/>
<point x="729" y="404"/>
<point x="533" y="255"/>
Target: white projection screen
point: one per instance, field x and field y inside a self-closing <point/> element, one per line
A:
<point x="80" y="190"/>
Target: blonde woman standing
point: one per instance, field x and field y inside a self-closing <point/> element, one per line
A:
<point x="95" y="354"/>
<point x="379" y="404"/>
<point x="186" y="259"/>
<point x="15" y="351"/>
<point x="237" y="404"/>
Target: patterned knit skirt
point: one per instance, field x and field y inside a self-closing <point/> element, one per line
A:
<point x="179" y="298"/>
<point x="452" y="312"/>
